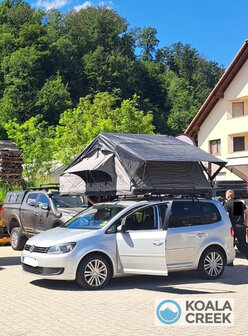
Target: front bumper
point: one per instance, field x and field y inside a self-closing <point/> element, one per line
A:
<point x="47" y="266"/>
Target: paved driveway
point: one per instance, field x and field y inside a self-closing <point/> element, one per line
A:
<point x="31" y="307"/>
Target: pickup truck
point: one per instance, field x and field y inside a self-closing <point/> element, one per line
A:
<point x="4" y="237"/>
<point x="25" y="213"/>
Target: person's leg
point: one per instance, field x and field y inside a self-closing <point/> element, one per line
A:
<point x="240" y="233"/>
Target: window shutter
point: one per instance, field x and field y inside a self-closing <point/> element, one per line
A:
<point x="237" y="109"/>
<point x="238" y="144"/>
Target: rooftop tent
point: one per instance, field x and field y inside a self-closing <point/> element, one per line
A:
<point x="124" y="164"/>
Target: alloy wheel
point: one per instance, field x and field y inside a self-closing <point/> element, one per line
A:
<point x="95" y="272"/>
<point x="213" y="264"/>
<point x="14" y="239"/>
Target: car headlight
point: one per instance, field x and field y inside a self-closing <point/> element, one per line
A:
<point x="63" y="248"/>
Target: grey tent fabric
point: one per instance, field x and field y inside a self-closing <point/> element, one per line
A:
<point x="124" y="164"/>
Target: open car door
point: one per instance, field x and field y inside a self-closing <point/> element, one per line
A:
<point x="141" y="242"/>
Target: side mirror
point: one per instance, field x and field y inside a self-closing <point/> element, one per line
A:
<point x="54" y="209"/>
<point x="31" y="202"/>
<point x="58" y="214"/>
<point x="122" y="227"/>
<point x="44" y="206"/>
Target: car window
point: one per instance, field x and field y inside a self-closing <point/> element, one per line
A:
<point x="210" y="213"/>
<point x="43" y="200"/>
<point x="142" y="219"/>
<point x="31" y="199"/>
<point x="68" y="201"/>
<point x="95" y="217"/>
<point x="184" y="214"/>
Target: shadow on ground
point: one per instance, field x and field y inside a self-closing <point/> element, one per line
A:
<point x="10" y="261"/>
<point x="170" y="284"/>
<point x="236" y="275"/>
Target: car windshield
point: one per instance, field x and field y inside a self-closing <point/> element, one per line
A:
<point x="94" y="218"/>
<point x="68" y="201"/>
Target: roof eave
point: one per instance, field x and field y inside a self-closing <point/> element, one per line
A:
<point x="218" y="91"/>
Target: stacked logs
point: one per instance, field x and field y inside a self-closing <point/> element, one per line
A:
<point x="10" y="163"/>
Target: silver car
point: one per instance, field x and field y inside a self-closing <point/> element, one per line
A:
<point x="139" y="237"/>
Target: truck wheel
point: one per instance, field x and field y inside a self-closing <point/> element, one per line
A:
<point x="212" y="264"/>
<point x="17" y="239"/>
<point x="93" y="272"/>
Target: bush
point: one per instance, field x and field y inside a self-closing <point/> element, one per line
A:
<point x="5" y="187"/>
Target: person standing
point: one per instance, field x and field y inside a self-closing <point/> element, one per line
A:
<point x="238" y="214"/>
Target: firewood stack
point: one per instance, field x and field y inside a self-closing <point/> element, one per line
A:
<point x="10" y="162"/>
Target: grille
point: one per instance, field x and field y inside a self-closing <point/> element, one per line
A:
<point x="42" y="270"/>
<point x="37" y="249"/>
<point x="31" y="269"/>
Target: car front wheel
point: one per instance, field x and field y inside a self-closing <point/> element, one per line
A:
<point x="93" y="272"/>
<point x="212" y="264"/>
<point x="17" y="239"/>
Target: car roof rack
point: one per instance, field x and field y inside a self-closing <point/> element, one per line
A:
<point x="45" y="186"/>
<point x="163" y="196"/>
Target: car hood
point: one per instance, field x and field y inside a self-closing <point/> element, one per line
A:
<point x="59" y="235"/>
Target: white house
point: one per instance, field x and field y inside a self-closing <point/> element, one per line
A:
<point x="221" y="125"/>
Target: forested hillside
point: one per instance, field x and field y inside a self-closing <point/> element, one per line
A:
<point x="66" y="77"/>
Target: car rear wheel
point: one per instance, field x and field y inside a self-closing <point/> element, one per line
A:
<point x="93" y="272"/>
<point x="17" y="239"/>
<point x="212" y="264"/>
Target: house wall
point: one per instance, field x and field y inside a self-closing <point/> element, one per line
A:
<point x="220" y="125"/>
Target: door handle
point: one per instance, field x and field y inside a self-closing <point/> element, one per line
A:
<point x="158" y="242"/>
<point x="36" y="214"/>
<point x="201" y="234"/>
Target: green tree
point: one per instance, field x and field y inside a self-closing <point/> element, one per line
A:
<point x="14" y="13"/>
<point x="23" y="75"/>
<point x="93" y="50"/>
<point x="108" y="71"/>
<point x="183" y="104"/>
<point x="153" y="93"/>
<point x="148" y="42"/>
<point x="102" y="113"/>
<point x="8" y="44"/>
<point x="205" y="77"/>
<point x="35" y="139"/>
<point x="103" y="50"/>
<point x="187" y="63"/>
<point x="33" y="35"/>
<point x="98" y="26"/>
<point x="53" y="99"/>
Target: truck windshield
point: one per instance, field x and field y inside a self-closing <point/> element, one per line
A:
<point x="94" y="218"/>
<point x="68" y="201"/>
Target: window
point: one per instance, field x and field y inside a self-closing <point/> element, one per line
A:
<point x="94" y="217"/>
<point x="68" y="201"/>
<point x="238" y="144"/>
<point x="142" y="219"/>
<point x="210" y="213"/>
<point x="215" y="148"/>
<point x="184" y="214"/>
<point x="237" y="109"/>
<point x="31" y="199"/>
<point x="43" y="200"/>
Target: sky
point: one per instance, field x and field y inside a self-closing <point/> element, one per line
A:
<point x="217" y="29"/>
